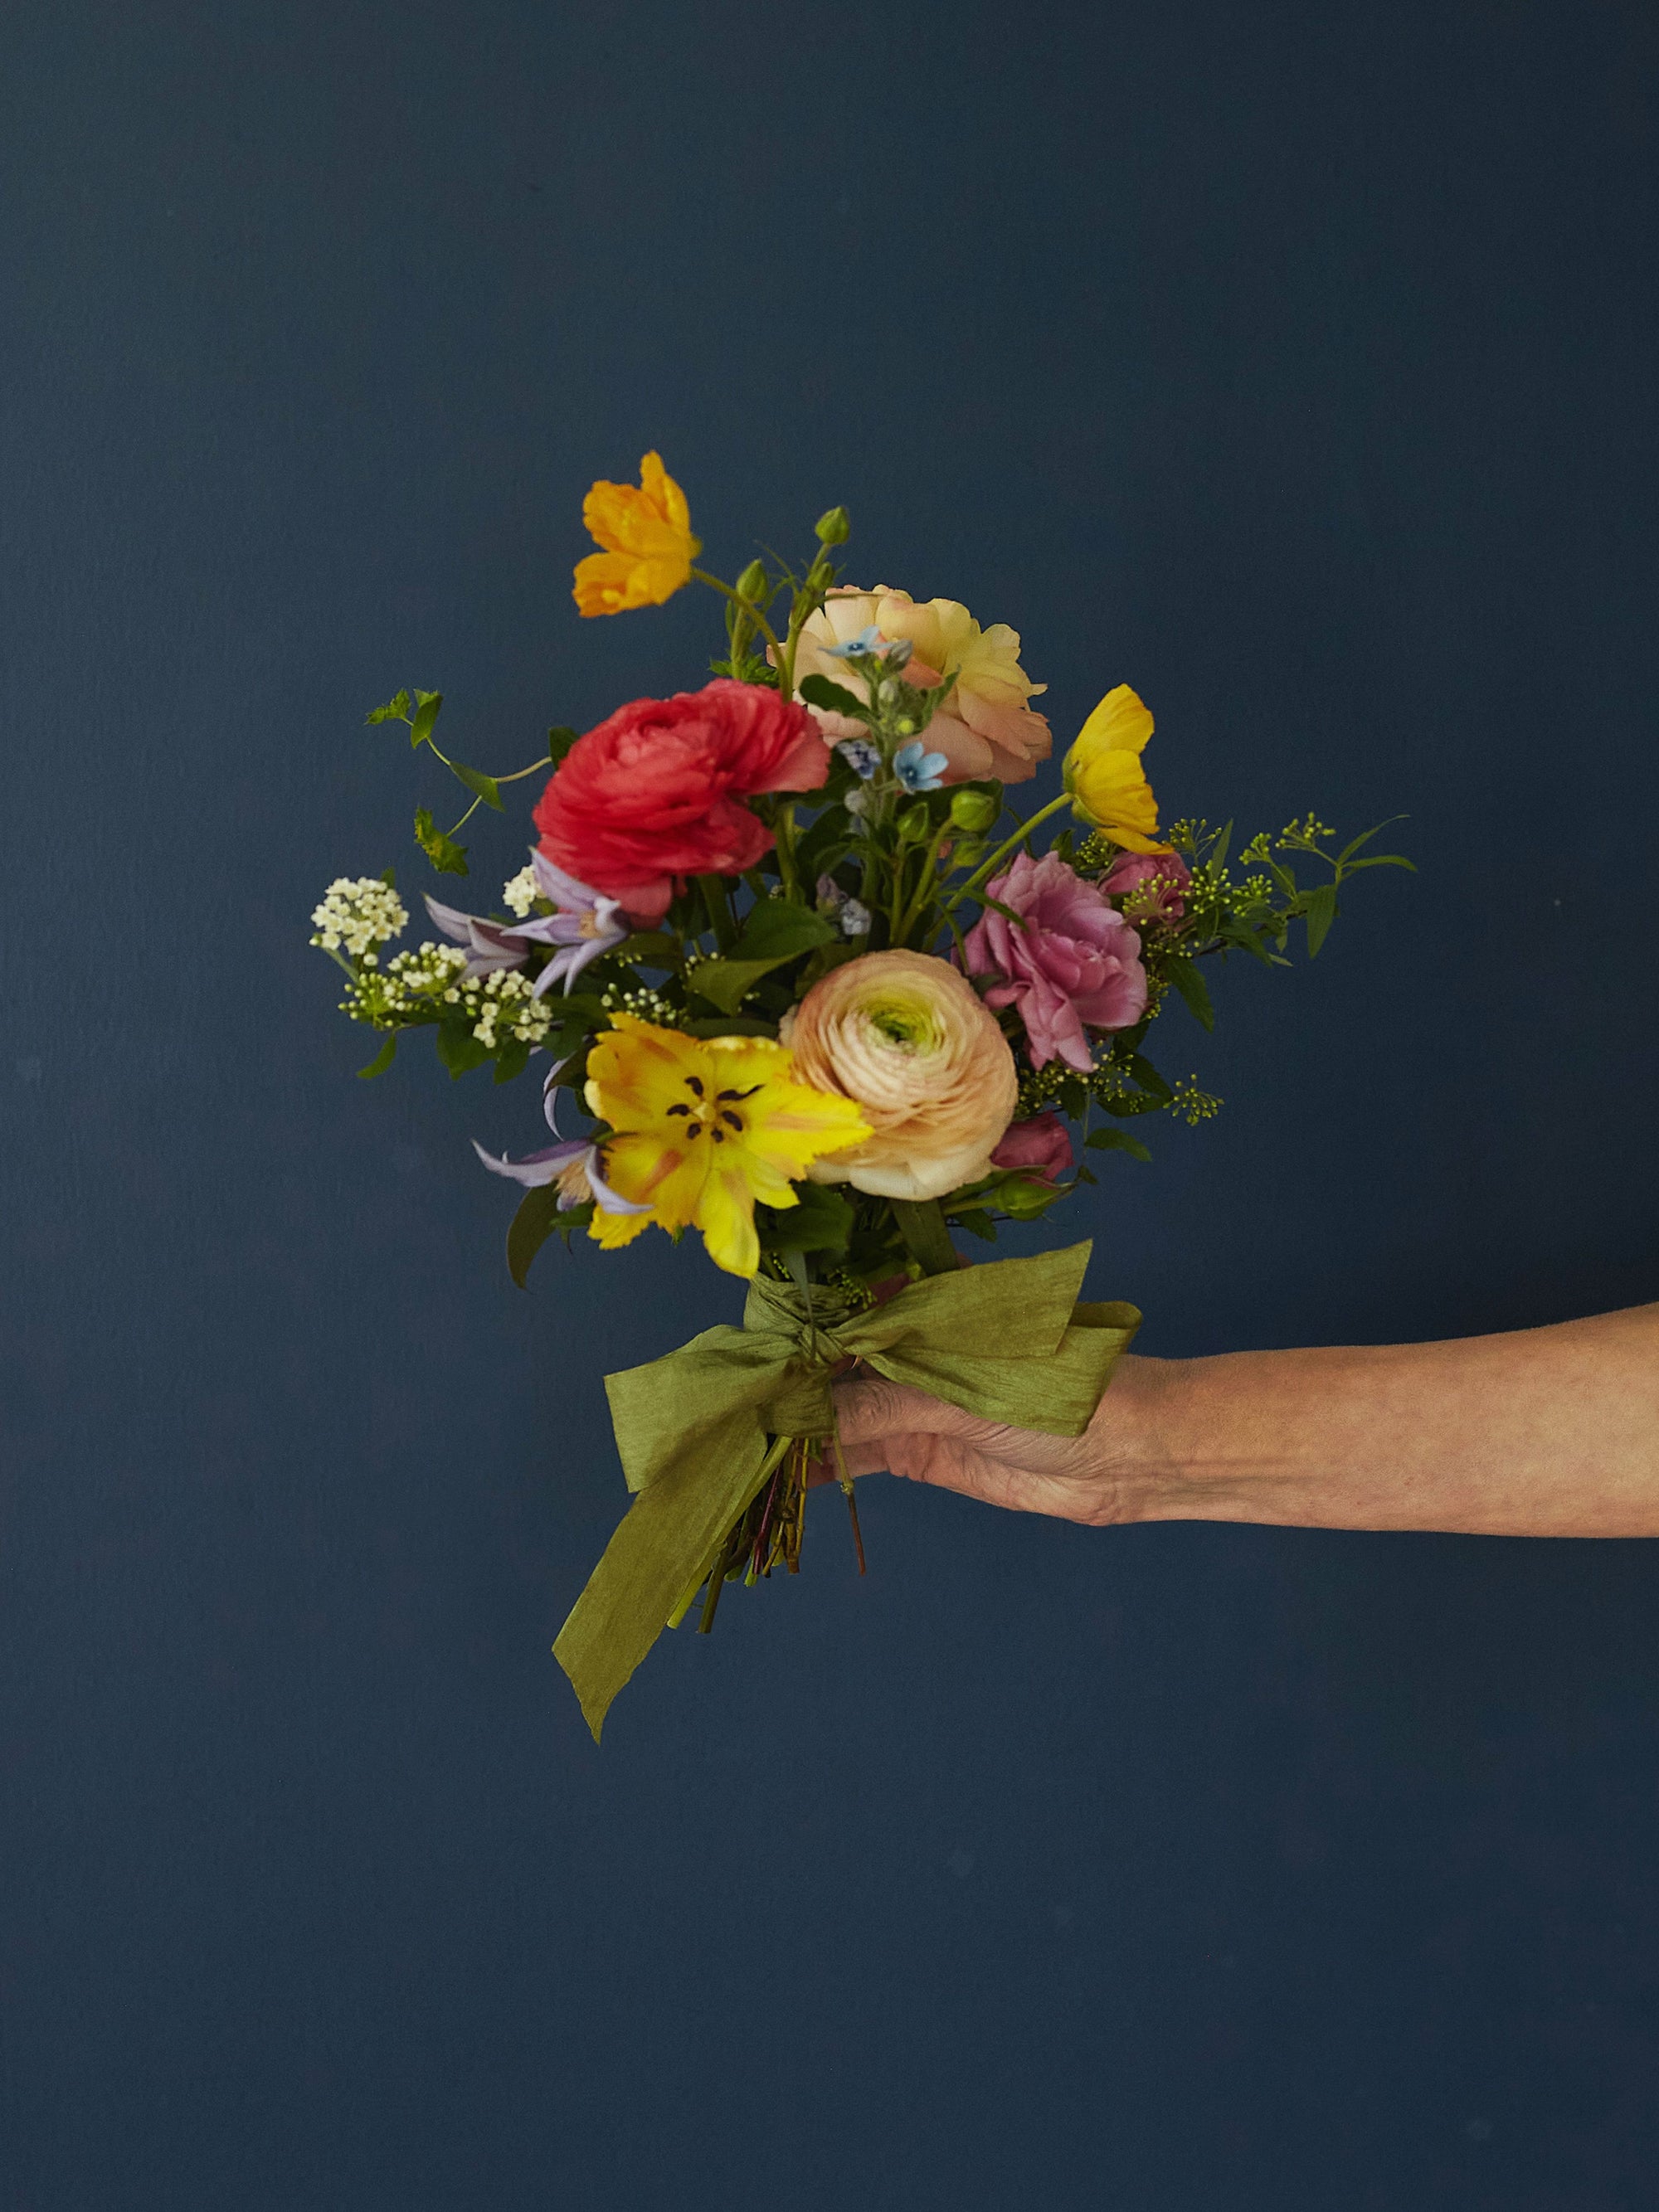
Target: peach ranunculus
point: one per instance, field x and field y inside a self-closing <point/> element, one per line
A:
<point x="646" y="532"/>
<point x="911" y="1043"/>
<point x="985" y="728"/>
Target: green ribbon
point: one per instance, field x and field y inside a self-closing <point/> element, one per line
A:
<point x="1007" y="1341"/>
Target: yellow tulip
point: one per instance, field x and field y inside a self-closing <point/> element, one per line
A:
<point x="646" y="532"/>
<point x="1104" y="776"/>
<point x="704" y="1127"/>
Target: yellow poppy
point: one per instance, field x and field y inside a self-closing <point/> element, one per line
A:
<point x="1104" y="776"/>
<point x="705" y="1127"/>
<point x="646" y="532"/>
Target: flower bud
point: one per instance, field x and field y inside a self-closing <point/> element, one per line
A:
<point x="751" y="584"/>
<point x="974" y="809"/>
<point x="915" y="826"/>
<point x="834" y="528"/>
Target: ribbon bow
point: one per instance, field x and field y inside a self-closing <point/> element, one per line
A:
<point x="1006" y="1341"/>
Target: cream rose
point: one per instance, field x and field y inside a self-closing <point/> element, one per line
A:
<point x="911" y="1041"/>
<point x="985" y="728"/>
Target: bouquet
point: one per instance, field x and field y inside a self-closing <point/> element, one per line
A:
<point x="794" y="973"/>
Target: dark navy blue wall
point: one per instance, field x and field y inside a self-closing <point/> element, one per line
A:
<point x="1293" y="363"/>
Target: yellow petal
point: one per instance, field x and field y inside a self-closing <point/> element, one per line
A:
<point x="1122" y="723"/>
<point x="646" y="532"/>
<point x="610" y="1231"/>
<point x="727" y="1218"/>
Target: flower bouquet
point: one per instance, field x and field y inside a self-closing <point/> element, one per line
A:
<point x="812" y="990"/>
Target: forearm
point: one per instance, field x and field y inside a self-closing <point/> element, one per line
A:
<point x="1543" y="1432"/>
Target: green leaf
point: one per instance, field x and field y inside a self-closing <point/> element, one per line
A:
<point x="654" y="948"/>
<point x="382" y="1059"/>
<point x="1322" y="913"/>
<point x="559" y="742"/>
<point x="726" y="983"/>
<point x="822" y="1222"/>
<point x="393" y="711"/>
<point x="458" y="1047"/>
<point x="1149" y="1079"/>
<point x="1380" y="860"/>
<point x="537" y="1218"/>
<point x="449" y="858"/>
<point x="426" y="704"/>
<point x="835" y="698"/>
<point x="1184" y="974"/>
<point x="714" y="1025"/>
<point x="1364" y="838"/>
<point x="1117" y="1140"/>
<point x="480" y="785"/>
<point x="1216" y="858"/>
<point x="978" y="1223"/>
<point x="774" y="930"/>
<point x="921" y="1224"/>
<point x="512" y="1061"/>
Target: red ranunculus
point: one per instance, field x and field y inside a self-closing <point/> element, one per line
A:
<point x="654" y="793"/>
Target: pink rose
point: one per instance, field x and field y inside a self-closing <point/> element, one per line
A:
<point x="1074" y="964"/>
<point x="1153" y="886"/>
<point x="1041" y="1146"/>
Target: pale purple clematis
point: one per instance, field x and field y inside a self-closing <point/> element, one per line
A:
<point x="573" y="1164"/>
<point x="587" y="925"/>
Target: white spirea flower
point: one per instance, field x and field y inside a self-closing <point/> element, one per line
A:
<point x="520" y="891"/>
<point x="358" y="913"/>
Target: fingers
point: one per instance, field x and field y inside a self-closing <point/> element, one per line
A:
<point x="869" y="1410"/>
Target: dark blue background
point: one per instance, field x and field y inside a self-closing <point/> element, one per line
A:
<point x="1295" y="364"/>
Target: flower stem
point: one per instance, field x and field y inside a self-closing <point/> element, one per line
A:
<point x="748" y="606"/>
<point x="982" y="875"/>
<point x="921" y="1224"/>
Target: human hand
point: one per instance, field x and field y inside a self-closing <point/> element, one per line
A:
<point x="1101" y="1478"/>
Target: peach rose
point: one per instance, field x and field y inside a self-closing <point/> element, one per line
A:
<point x="910" y="1041"/>
<point x="985" y="728"/>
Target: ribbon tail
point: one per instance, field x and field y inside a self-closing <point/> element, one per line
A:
<point x="668" y="1533"/>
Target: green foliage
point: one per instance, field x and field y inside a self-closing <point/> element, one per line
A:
<point x="1184" y="974"/>
<point x="1117" y="1140"/>
<point x="449" y="858"/>
<point x="559" y="742"/>
<point x="537" y="1218"/>
<point x="480" y="785"/>
<point x="834" y="698"/>
<point x="823" y="1221"/>
<point x="382" y="1059"/>
<point x="395" y="710"/>
<point x="774" y="934"/>
<point x="427" y="705"/>
<point x="458" y="1047"/>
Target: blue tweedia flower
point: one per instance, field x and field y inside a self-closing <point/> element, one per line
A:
<point x="860" y="756"/>
<point x="918" y="769"/>
<point x="868" y="641"/>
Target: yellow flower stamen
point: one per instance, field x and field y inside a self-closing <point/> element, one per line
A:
<point x="705" y="1128"/>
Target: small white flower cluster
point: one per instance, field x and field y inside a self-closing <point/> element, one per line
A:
<point x="520" y="892"/>
<point x="502" y="1006"/>
<point x="504" y="1000"/>
<point x="358" y="913"/>
<point x="645" y="1004"/>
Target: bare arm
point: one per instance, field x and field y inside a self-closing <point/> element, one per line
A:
<point x="1540" y="1432"/>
